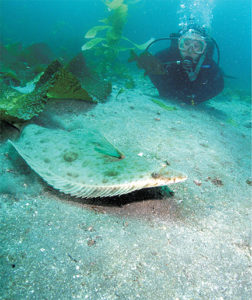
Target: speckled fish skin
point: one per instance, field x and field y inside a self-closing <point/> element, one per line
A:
<point x="70" y="162"/>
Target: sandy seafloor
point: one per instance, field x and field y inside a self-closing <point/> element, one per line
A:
<point x="195" y="244"/>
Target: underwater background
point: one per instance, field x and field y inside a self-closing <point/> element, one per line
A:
<point x="63" y="23"/>
<point x="189" y="240"/>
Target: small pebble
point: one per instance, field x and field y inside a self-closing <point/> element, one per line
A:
<point x="249" y="182"/>
<point x="197" y="182"/>
<point x="91" y="242"/>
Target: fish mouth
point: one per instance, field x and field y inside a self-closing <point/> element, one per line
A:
<point x="168" y="176"/>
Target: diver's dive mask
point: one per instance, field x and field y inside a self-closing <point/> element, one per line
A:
<point x="192" y="42"/>
<point x="177" y="40"/>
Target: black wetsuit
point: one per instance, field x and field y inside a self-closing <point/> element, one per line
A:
<point x="176" y="84"/>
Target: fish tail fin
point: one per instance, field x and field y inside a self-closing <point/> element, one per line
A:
<point x="133" y="56"/>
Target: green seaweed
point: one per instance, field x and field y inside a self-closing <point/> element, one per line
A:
<point x="56" y="82"/>
<point x="232" y="122"/>
<point x="122" y="90"/>
<point x="90" y="80"/>
<point x="18" y="107"/>
<point x="164" y="106"/>
<point x="66" y="85"/>
<point x="92" y="43"/>
<point x="113" y="4"/>
<point x="48" y="74"/>
<point x="94" y="30"/>
<point x="107" y="46"/>
<point x="63" y="84"/>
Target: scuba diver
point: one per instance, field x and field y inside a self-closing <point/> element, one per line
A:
<point x="191" y="75"/>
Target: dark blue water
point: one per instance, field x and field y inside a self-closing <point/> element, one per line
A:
<point x="63" y="24"/>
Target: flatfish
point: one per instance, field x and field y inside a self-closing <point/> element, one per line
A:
<point x="83" y="163"/>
